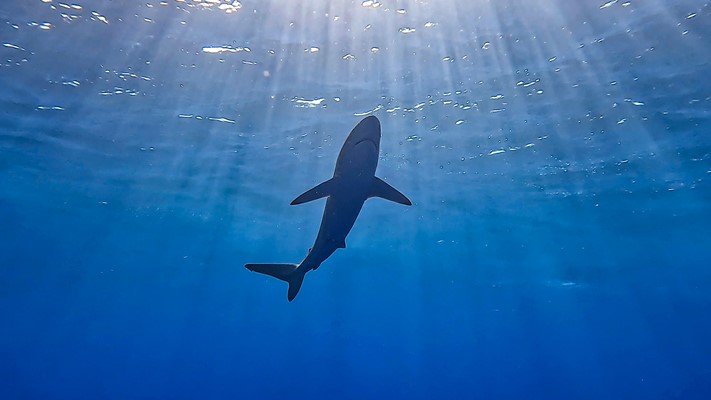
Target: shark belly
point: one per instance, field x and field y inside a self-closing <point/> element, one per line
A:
<point x="339" y="216"/>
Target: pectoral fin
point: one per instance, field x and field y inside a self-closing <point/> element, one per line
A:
<point x="321" y="190"/>
<point x="387" y="192"/>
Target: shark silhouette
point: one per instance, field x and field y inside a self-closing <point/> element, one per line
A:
<point x="353" y="182"/>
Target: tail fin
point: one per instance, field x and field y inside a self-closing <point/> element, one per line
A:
<point x="285" y="272"/>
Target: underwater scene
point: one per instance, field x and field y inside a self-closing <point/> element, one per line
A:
<point x="336" y="199"/>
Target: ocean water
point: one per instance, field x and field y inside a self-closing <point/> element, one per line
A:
<point x="557" y="154"/>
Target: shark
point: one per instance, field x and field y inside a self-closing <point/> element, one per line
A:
<point x="353" y="183"/>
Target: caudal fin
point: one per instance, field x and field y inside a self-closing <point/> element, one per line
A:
<point x="285" y="272"/>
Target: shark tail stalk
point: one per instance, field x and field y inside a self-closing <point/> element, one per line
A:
<point x="290" y="273"/>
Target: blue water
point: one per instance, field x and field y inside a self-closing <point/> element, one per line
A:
<point x="557" y="154"/>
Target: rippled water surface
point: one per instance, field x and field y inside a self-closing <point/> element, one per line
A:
<point x="557" y="154"/>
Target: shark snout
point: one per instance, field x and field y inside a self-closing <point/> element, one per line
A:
<point x="368" y="130"/>
<point x="371" y="124"/>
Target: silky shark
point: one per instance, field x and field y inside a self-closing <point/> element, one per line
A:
<point x="353" y="182"/>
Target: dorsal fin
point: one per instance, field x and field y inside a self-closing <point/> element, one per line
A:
<point x="321" y="190"/>
<point x="381" y="189"/>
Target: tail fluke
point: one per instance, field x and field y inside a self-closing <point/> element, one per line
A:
<point x="285" y="272"/>
<point x="295" y="281"/>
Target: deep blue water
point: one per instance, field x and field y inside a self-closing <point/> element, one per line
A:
<point x="557" y="153"/>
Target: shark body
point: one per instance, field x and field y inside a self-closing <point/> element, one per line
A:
<point x="353" y="182"/>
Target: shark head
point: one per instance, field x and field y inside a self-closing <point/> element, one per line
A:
<point x="359" y="155"/>
<point x="366" y="132"/>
